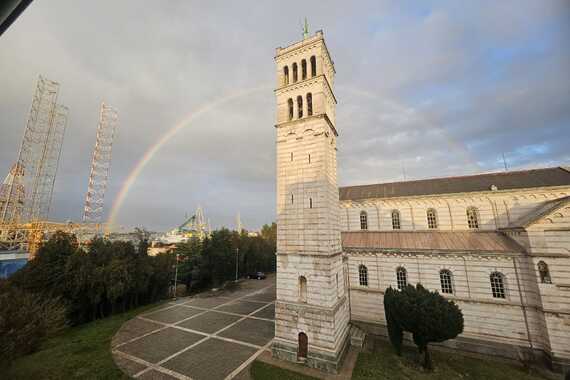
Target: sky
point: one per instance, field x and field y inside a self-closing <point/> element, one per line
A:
<point x="424" y="89"/>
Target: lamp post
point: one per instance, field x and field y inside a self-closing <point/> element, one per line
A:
<point x="175" y="276"/>
<point x="237" y="263"/>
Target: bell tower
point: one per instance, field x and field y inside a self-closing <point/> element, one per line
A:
<point x="312" y="315"/>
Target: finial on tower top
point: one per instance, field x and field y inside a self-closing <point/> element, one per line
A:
<point x="306" y="29"/>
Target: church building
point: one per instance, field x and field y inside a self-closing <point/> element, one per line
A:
<point x="496" y="244"/>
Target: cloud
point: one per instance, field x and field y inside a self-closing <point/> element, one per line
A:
<point x="424" y="90"/>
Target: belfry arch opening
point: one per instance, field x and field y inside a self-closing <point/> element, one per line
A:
<point x="303" y="346"/>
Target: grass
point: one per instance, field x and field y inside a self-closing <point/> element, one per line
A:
<point x="383" y="364"/>
<point x="79" y="352"/>
<point x="264" y="371"/>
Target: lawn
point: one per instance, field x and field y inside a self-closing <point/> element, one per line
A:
<point x="79" y="352"/>
<point x="383" y="364"/>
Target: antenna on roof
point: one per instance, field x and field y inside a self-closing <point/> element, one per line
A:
<point x="403" y="170"/>
<point x="505" y="163"/>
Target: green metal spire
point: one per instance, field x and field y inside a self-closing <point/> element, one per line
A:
<point x="306" y="29"/>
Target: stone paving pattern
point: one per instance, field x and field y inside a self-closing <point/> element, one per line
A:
<point x="211" y="336"/>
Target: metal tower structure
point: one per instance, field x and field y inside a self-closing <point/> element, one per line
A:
<point x="100" y="164"/>
<point x="27" y="191"/>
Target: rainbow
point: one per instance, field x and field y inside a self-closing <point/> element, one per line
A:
<point x="154" y="148"/>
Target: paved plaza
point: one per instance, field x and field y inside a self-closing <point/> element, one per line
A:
<point x="210" y="336"/>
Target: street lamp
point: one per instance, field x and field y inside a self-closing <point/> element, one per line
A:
<point x="175" y="276"/>
<point x="237" y="263"/>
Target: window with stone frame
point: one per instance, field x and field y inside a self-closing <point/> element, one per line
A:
<point x="362" y="275"/>
<point x="285" y="75"/>
<point x="544" y="272"/>
<point x="396" y="220"/>
<point x="401" y="277"/>
<point x="498" y="285"/>
<point x="313" y="66"/>
<point x="295" y="73"/>
<point x="446" y="279"/>
<point x="363" y="220"/>
<point x="309" y="104"/>
<point x="302" y="289"/>
<point x="472" y="218"/>
<point x="431" y="218"/>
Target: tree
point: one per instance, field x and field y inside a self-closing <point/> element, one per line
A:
<point x="428" y="316"/>
<point x="395" y="332"/>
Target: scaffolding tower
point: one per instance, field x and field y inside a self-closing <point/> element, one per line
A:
<point x="100" y="164"/>
<point x="26" y="194"/>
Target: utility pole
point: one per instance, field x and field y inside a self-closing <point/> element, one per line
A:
<point x="237" y="263"/>
<point x="175" y="276"/>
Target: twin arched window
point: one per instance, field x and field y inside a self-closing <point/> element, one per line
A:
<point x="498" y="285"/>
<point x="401" y="277"/>
<point x="446" y="279"/>
<point x="362" y="275"/>
<point x="295" y="69"/>
<point x="431" y="218"/>
<point x="363" y="220"/>
<point x="472" y="218"/>
<point x="291" y="111"/>
<point x="396" y="220"/>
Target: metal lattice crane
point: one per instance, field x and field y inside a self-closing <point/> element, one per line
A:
<point x="26" y="194"/>
<point x="100" y="164"/>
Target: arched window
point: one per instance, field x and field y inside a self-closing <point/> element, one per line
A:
<point x="309" y="104"/>
<point x="363" y="220"/>
<point x="285" y="75"/>
<point x="303" y="346"/>
<point x="303" y="69"/>
<point x="302" y="289"/>
<point x="431" y="218"/>
<point x="299" y="106"/>
<point x="396" y="220"/>
<point x="544" y="273"/>
<point x="445" y="277"/>
<point x="472" y="218"/>
<point x="362" y="275"/>
<point x="295" y="76"/>
<point x="310" y="202"/>
<point x="401" y="277"/>
<point x="498" y="285"/>
<point x="313" y="66"/>
<point x="290" y="105"/>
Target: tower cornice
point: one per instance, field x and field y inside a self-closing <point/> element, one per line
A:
<point x="305" y="119"/>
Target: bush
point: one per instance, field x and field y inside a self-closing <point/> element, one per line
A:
<point x="25" y="319"/>
<point x="428" y="316"/>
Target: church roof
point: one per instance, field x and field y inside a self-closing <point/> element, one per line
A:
<point x="539" y="212"/>
<point x="417" y="241"/>
<point x="524" y="179"/>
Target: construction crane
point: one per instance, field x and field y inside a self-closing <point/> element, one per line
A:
<point x="100" y="165"/>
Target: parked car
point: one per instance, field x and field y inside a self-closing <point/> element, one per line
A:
<point x="257" y="276"/>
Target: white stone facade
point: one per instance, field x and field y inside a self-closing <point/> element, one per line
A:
<point x="510" y="307"/>
<point x="311" y="296"/>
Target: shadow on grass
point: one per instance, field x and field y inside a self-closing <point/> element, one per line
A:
<point x="384" y="364"/>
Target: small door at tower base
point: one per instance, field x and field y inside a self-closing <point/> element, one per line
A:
<point x="303" y="346"/>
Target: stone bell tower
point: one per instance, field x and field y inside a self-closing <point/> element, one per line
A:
<point x="312" y="315"/>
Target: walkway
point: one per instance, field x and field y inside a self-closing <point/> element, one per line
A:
<point x="208" y="337"/>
